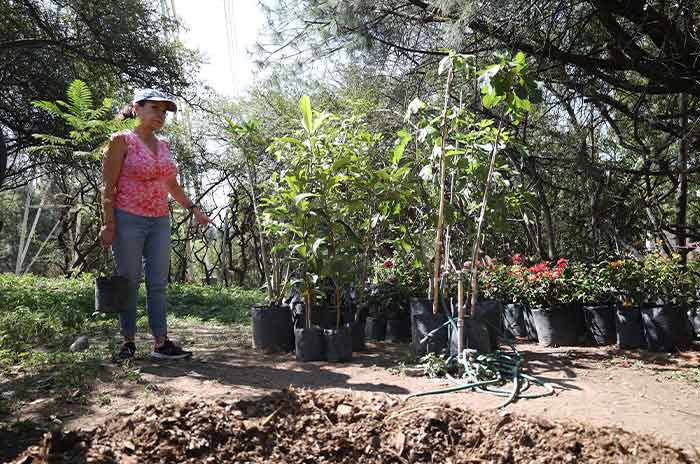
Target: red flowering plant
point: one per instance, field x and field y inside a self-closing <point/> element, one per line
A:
<point x="546" y="285"/>
<point x="501" y="282"/>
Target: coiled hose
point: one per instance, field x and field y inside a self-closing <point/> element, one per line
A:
<point x="483" y="371"/>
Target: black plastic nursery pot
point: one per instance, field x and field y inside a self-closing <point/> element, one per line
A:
<point x="582" y="332"/>
<point x="476" y="337"/>
<point x="309" y="344"/>
<point x="338" y="344"/>
<point x="111" y="294"/>
<point x="556" y="325"/>
<point x="398" y="329"/>
<point x="375" y="328"/>
<point x="694" y="318"/>
<point x="628" y="325"/>
<point x="529" y="319"/>
<point x="424" y="322"/>
<point x="358" y="336"/>
<point x="665" y="328"/>
<point x="600" y="321"/>
<point x="273" y="329"/>
<point x="514" y="321"/>
<point x="490" y="313"/>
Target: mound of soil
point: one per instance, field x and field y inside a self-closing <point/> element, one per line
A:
<point x="306" y="427"/>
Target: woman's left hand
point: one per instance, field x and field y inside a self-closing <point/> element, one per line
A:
<point x="202" y="219"/>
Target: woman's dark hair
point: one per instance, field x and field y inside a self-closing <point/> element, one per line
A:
<point x="128" y="112"/>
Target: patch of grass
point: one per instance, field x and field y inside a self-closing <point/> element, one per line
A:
<point x="40" y="317"/>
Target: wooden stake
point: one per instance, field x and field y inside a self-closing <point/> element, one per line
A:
<point x="482" y="219"/>
<point x="441" y="210"/>
<point x="460" y="311"/>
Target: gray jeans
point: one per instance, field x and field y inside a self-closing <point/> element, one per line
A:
<point x="143" y="244"/>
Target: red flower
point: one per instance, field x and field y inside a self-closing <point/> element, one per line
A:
<point x="538" y="268"/>
<point x="562" y="262"/>
<point x="517" y="259"/>
<point x="388" y="263"/>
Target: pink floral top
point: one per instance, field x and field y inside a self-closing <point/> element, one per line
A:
<point x="141" y="185"/>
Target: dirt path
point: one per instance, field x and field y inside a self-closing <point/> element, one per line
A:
<point x="650" y="394"/>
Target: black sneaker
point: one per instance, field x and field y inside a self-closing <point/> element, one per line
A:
<point x="169" y="350"/>
<point x="127" y="352"/>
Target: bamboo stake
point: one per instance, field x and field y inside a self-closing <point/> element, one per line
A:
<point x="441" y="210"/>
<point x="460" y="311"/>
<point x="482" y="218"/>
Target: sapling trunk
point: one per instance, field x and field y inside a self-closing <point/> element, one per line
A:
<point x="460" y="311"/>
<point x="441" y="210"/>
<point x="271" y="289"/>
<point x="307" y="300"/>
<point x="482" y="219"/>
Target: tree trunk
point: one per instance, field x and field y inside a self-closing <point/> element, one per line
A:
<point x="3" y="156"/>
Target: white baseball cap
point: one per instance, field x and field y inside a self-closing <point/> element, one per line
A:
<point x="154" y="95"/>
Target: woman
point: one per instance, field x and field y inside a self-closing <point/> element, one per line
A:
<point x="138" y="174"/>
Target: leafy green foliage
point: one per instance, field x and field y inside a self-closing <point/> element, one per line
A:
<point x="88" y="127"/>
<point x="45" y="312"/>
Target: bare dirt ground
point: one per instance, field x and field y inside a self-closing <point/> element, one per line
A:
<point x="641" y="392"/>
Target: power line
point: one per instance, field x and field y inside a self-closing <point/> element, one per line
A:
<point x="231" y="41"/>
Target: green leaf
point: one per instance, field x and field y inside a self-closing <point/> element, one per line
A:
<point x="401" y="142"/>
<point x="305" y="106"/>
<point x="303" y="196"/>
<point x="317" y="243"/>
<point x="426" y="173"/>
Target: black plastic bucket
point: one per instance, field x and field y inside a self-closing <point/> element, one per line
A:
<point x="556" y="326"/>
<point x="530" y="329"/>
<point x="476" y="337"/>
<point x="398" y="330"/>
<point x="600" y="320"/>
<point x="423" y="322"/>
<point x="694" y="318"/>
<point x="338" y="345"/>
<point x="628" y="325"/>
<point x="514" y="321"/>
<point x="358" y="336"/>
<point x="375" y="328"/>
<point x="273" y="329"/>
<point x="665" y="328"/>
<point x="490" y="313"/>
<point x="111" y="294"/>
<point x="309" y="344"/>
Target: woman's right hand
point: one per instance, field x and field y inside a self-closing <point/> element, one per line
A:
<point x="107" y="235"/>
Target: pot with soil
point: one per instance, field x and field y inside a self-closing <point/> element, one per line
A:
<point x="338" y="344"/>
<point x="358" y="336"/>
<point x="666" y="327"/>
<point x="628" y="326"/>
<point x="514" y="321"/>
<point x="428" y="331"/>
<point x="273" y="329"/>
<point x="556" y="325"/>
<point x="398" y="324"/>
<point x="309" y="344"/>
<point x="600" y="322"/>
<point x="694" y="318"/>
<point x="490" y="314"/>
<point x="529" y="319"/>
<point x="476" y="337"/>
<point x="375" y="328"/>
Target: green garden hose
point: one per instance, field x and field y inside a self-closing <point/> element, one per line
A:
<point x="482" y="370"/>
